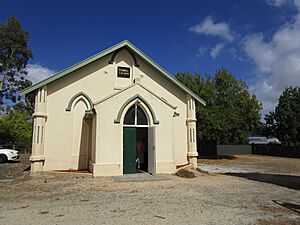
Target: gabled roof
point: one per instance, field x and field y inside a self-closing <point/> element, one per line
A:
<point x="105" y="52"/>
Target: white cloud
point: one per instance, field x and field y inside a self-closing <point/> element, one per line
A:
<point x="208" y="27"/>
<point x="202" y="50"/>
<point x="38" y="72"/>
<point x="215" y="51"/>
<point x="236" y="54"/>
<point x="297" y="4"/>
<point x="277" y="3"/>
<point x="277" y="61"/>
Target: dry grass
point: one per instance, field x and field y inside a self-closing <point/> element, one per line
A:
<point x="185" y="173"/>
<point x="223" y="159"/>
<point x="11" y="170"/>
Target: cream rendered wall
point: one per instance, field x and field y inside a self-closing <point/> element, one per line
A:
<point x="98" y="81"/>
<point x="123" y="59"/>
<point x="164" y="88"/>
<point x="110" y="137"/>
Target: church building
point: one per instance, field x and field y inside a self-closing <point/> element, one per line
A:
<point x="117" y="112"/>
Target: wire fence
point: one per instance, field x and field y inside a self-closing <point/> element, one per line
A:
<point x="211" y="148"/>
<point x="276" y="150"/>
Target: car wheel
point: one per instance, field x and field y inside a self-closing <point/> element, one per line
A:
<point x="3" y="158"/>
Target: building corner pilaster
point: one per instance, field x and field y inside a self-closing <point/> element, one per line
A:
<point x="192" y="132"/>
<point x="39" y="117"/>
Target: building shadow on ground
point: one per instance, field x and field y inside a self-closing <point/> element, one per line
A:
<point x="291" y="206"/>
<point x="288" y="181"/>
<point x="218" y="157"/>
<point x="13" y="162"/>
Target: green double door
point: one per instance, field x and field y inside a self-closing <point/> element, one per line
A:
<point x="129" y="150"/>
<point x="130" y="137"/>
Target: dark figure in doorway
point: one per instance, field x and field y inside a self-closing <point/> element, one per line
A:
<point x="140" y="148"/>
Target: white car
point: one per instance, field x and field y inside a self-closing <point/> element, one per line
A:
<point x="8" y="155"/>
<point x="274" y="141"/>
<point x="263" y="140"/>
<point x="258" y="140"/>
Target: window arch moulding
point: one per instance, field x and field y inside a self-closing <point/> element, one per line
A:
<point x="133" y="98"/>
<point x="88" y="100"/>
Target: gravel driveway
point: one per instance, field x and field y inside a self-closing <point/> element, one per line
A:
<point x="59" y="198"/>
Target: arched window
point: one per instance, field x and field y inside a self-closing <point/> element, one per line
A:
<point x="135" y="117"/>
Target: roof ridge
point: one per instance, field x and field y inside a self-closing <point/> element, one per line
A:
<point x="103" y="53"/>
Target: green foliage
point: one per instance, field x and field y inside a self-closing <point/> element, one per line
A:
<point x="15" y="129"/>
<point x="284" y="122"/>
<point x="231" y="114"/>
<point x="15" y="122"/>
<point x="14" y="56"/>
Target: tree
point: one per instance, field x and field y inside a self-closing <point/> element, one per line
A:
<point x="15" y="129"/>
<point x="231" y="114"/>
<point x="15" y="124"/>
<point x="270" y="126"/>
<point x="284" y="122"/>
<point x="14" y="56"/>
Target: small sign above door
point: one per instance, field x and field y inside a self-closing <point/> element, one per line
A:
<point x="123" y="72"/>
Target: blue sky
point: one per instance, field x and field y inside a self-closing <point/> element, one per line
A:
<point x="257" y="40"/>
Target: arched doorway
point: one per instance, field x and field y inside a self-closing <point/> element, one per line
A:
<point x="83" y="122"/>
<point x="135" y="140"/>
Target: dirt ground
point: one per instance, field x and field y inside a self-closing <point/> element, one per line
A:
<point x="255" y="163"/>
<point x="16" y="170"/>
<point x="68" y="198"/>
